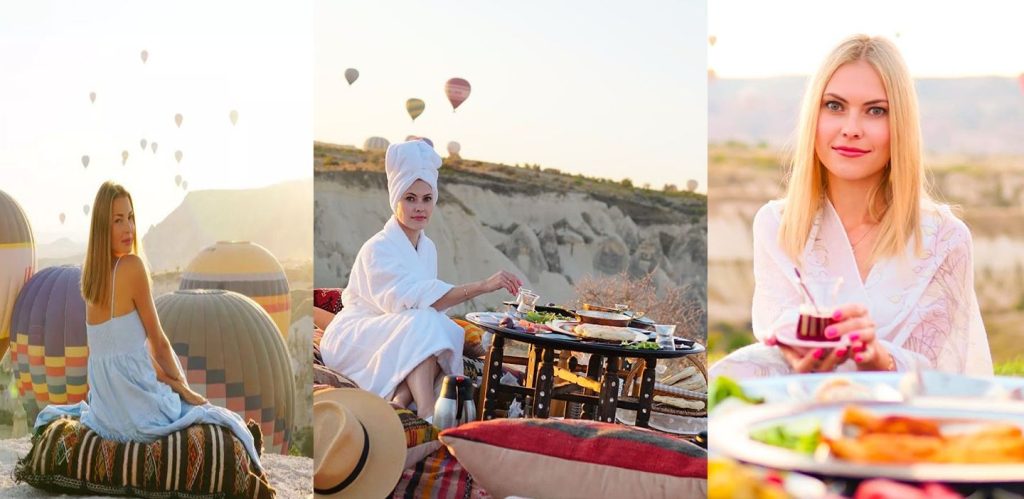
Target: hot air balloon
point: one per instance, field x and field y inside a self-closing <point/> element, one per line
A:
<point x="177" y="156"/>
<point x="17" y="261"/>
<point x="124" y="157"/>
<point x="142" y="143"/>
<point x="712" y="39"/>
<point x="153" y="147"/>
<point x="92" y="97"/>
<point x="454" y="148"/>
<point x="233" y="355"/>
<point x="233" y="115"/>
<point x="85" y="161"/>
<point x="457" y="91"/>
<point x="691" y="185"/>
<point x="711" y="74"/>
<point x="85" y="209"/>
<point x="178" y="119"/>
<point x="144" y="55"/>
<point x="415" y="107"/>
<point x="50" y="350"/>
<point x="177" y="180"/>
<point x="247" y="268"/>
<point x="184" y="185"/>
<point x="351" y="75"/>
<point x="376" y="144"/>
<point x="61" y="217"/>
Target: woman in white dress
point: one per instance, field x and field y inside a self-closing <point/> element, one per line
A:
<point x="857" y="207"/>
<point x="392" y="337"/>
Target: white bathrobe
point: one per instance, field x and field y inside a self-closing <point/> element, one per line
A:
<point x="387" y="326"/>
<point x="924" y="306"/>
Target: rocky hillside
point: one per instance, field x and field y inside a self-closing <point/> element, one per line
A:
<point x="552" y="228"/>
<point x="989" y="193"/>
<point x="958" y="115"/>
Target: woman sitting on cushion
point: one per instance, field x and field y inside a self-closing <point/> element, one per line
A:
<point x="857" y="208"/>
<point x="392" y="337"/>
<point x="137" y="390"/>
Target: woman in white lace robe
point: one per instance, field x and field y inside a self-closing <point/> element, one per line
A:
<point x="857" y="208"/>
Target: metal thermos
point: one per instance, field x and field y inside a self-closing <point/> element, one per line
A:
<point x="455" y="405"/>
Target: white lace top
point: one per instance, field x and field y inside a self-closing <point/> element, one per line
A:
<point x="924" y="306"/>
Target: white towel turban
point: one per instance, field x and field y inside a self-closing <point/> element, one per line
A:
<point x="407" y="162"/>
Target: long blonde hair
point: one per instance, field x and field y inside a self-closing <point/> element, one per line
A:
<point x="902" y="187"/>
<point x="97" y="281"/>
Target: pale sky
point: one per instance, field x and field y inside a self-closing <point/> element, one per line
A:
<point x="942" y="38"/>
<point x="205" y="59"/>
<point x="607" y="88"/>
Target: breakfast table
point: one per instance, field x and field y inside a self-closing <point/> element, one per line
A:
<point x="601" y="375"/>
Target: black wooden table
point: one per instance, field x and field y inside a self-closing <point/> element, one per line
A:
<point x="605" y="360"/>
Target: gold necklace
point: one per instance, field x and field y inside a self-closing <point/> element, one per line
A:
<point x="863" y="236"/>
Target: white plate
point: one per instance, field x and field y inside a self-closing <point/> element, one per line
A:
<point x="668" y="423"/>
<point x="730" y="436"/>
<point x="566" y="327"/>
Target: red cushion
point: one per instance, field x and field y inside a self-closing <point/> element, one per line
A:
<point x="328" y="299"/>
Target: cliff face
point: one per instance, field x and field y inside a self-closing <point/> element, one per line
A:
<point x="550" y="228"/>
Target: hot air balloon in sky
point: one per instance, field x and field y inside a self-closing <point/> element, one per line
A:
<point x="85" y="209"/>
<point x="92" y="97"/>
<point x="124" y="157"/>
<point x="247" y="268"/>
<point x="415" y="107"/>
<point x="177" y="156"/>
<point x="233" y="115"/>
<point x="351" y="75"/>
<point x="376" y="144"/>
<point x="712" y="39"/>
<point x="17" y="261"/>
<point x="457" y="91"/>
<point x="61" y="217"/>
<point x="691" y="185"/>
<point x="184" y="185"/>
<point x="85" y="161"/>
<point x="233" y="355"/>
<point x="142" y="144"/>
<point x="177" y="180"/>
<point x="178" y="118"/>
<point x="153" y="147"/>
<point x="145" y="56"/>
<point x="50" y="351"/>
<point x="454" y="148"/>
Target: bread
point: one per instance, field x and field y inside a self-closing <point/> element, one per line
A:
<point x="604" y="333"/>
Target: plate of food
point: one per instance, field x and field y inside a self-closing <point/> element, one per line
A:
<point x="930" y="439"/>
<point x="598" y="332"/>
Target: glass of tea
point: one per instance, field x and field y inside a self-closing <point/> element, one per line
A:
<point x="820" y="299"/>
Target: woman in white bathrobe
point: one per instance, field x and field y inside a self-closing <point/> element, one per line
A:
<point x="392" y="337"/>
<point x="857" y="208"/>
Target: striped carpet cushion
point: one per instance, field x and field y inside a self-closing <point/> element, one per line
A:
<point x="534" y="457"/>
<point x="201" y="461"/>
<point x="439" y="476"/>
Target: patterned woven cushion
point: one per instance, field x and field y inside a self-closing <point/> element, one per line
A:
<point x="420" y="437"/>
<point x="472" y="335"/>
<point x="323" y="375"/>
<point x="201" y="461"/>
<point x="604" y="460"/>
<point x="439" y="476"/>
<point x="328" y="299"/>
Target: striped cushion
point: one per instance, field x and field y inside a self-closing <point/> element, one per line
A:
<point x="201" y="461"/>
<point x="533" y="457"/>
<point x="439" y="476"/>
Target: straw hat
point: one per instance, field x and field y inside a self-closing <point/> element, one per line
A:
<point x="359" y="449"/>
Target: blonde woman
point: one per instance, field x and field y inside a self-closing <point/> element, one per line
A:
<point x="137" y="390"/>
<point x="857" y="207"/>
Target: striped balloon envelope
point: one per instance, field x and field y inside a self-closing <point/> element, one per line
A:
<point x="246" y="268"/>
<point x="233" y="355"/>
<point x="50" y="351"/>
<point x="457" y="90"/>
<point x="17" y="261"/>
<point x="376" y="144"/>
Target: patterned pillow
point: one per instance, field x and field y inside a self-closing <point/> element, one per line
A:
<point x="439" y="476"/>
<point x="328" y="299"/>
<point x="472" y="336"/>
<point x="201" y="461"/>
<point x="604" y="460"/>
<point x="323" y="375"/>
<point x="420" y="437"/>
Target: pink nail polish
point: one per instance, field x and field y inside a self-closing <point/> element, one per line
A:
<point x="858" y="358"/>
<point x="841" y="352"/>
<point x="854" y="337"/>
<point x="838" y="316"/>
<point x="830" y="332"/>
<point x="819" y="353"/>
